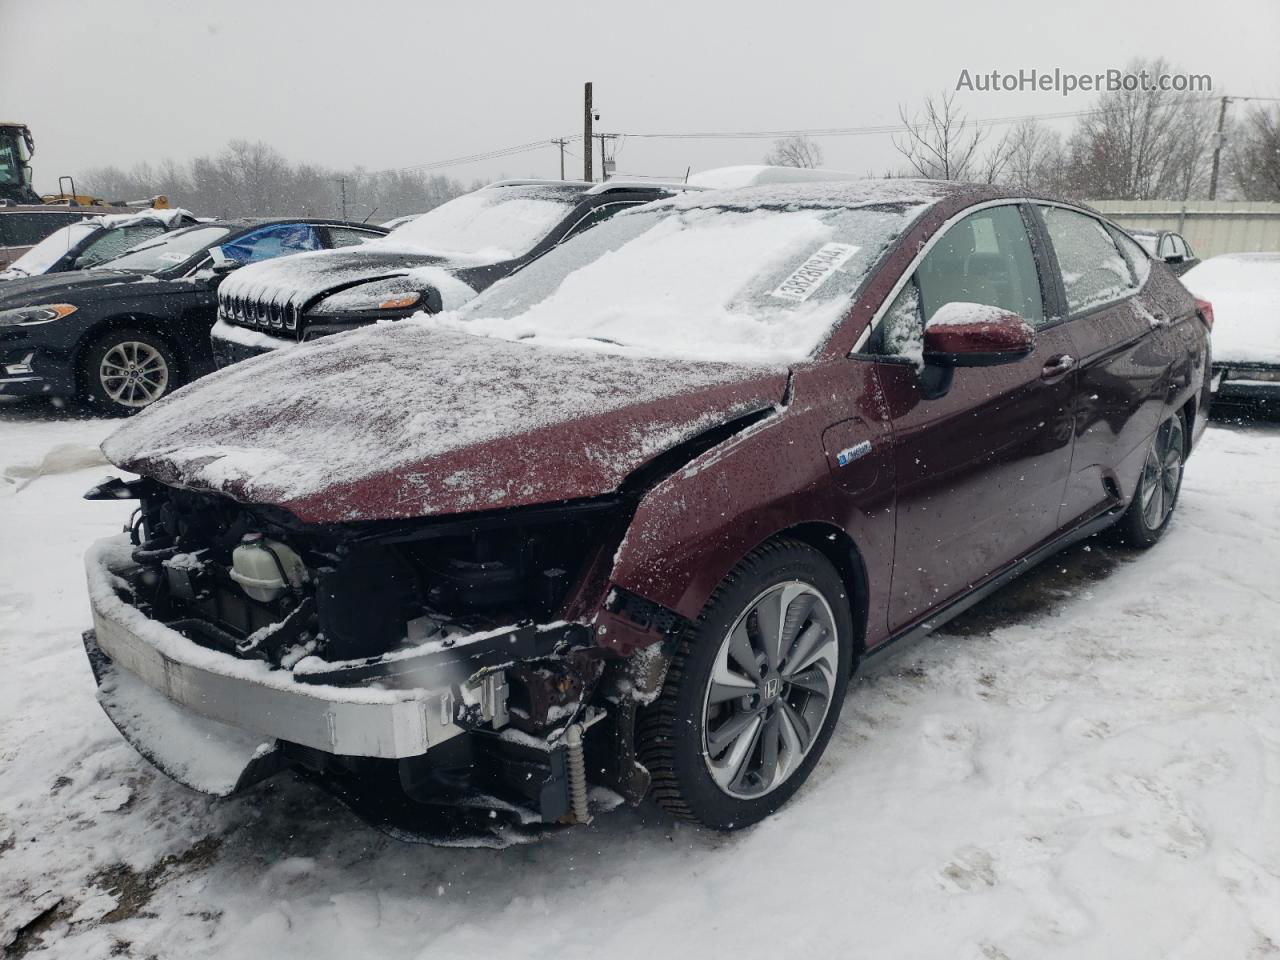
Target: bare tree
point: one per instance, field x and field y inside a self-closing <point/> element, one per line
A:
<point x="794" y="152"/>
<point x="252" y="179"/>
<point x="1034" y="158"/>
<point x="1140" y="144"/>
<point x="940" y="143"/>
<point x="1254" y="160"/>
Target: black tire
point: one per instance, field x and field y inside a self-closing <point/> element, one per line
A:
<point x="673" y="735"/>
<point x="156" y="374"/>
<point x="1145" y="520"/>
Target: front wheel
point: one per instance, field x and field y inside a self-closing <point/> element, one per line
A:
<point x="1149" y="513"/>
<point x="126" y="370"/>
<point x="753" y="691"/>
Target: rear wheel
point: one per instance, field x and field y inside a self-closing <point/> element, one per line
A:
<point x="126" y="370"/>
<point x="1149" y="513"/>
<point x="754" y="690"/>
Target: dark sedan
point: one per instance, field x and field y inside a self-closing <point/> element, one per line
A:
<point x="136" y="327"/>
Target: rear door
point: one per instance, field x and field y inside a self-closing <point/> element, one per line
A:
<point x="1123" y="360"/>
<point x="980" y="469"/>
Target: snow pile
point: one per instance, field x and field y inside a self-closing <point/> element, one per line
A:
<point x="451" y="420"/>
<point x="171" y="218"/>
<point x="1244" y="289"/>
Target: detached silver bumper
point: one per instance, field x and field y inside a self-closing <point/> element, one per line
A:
<point x="250" y="696"/>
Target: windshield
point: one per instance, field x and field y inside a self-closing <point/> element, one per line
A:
<point x="490" y="225"/>
<point x="49" y="250"/>
<point x="703" y="283"/>
<point x="165" y="252"/>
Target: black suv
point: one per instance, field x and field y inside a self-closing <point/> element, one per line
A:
<point x="437" y="261"/>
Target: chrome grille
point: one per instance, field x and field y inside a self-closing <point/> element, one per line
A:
<point x="261" y="309"/>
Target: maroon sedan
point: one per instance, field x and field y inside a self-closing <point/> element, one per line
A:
<point x="632" y="517"/>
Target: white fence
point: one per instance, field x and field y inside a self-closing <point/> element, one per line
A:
<point x="1210" y="226"/>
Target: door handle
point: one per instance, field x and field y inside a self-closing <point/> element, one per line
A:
<point x="1058" y="366"/>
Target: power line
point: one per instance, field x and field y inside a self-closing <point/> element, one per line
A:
<point x="886" y="128"/>
<point x="870" y="130"/>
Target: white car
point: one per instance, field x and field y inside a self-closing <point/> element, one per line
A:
<point x="1244" y="289"/>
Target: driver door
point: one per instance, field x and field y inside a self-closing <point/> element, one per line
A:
<point x="980" y="469"/>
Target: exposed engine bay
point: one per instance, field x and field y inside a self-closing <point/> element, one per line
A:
<point x="491" y="620"/>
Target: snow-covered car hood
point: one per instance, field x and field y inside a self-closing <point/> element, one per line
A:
<point x="303" y="278"/>
<point x="1244" y="289"/>
<point x="399" y="420"/>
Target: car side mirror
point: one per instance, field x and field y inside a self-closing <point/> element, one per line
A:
<point x="976" y="335"/>
<point x="221" y="262"/>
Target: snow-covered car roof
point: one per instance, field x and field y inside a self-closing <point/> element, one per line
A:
<point x="1244" y="289"/>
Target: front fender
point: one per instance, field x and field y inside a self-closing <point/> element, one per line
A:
<point x="693" y="527"/>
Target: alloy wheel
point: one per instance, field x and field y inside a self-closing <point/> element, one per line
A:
<point x="134" y="374"/>
<point x="770" y="689"/>
<point x="1162" y="474"/>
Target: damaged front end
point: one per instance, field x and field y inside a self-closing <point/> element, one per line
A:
<point x="410" y="667"/>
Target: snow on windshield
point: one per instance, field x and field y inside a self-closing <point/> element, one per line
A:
<point x="1244" y="289"/>
<point x="166" y="251"/>
<point x="490" y="225"/>
<point x="695" y="280"/>
<point x="46" y="253"/>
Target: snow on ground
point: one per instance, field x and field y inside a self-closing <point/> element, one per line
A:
<point x="1087" y="765"/>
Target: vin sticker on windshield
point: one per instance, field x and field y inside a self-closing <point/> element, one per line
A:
<point x="811" y="274"/>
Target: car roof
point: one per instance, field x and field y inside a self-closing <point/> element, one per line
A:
<point x="240" y="223"/>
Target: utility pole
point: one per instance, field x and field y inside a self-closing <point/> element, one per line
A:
<point x="1217" y="148"/>
<point x="586" y="134"/>
<point x="561" y="144"/>
<point x="342" y="182"/>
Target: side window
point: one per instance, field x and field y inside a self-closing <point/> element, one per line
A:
<point x="1093" y="271"/>
<point x="110" y="243"/>
<point x="598" y="215"/>
<point x="273" y="241"/>
<point x="350" y="237"/>
<point x="985" y="258"/>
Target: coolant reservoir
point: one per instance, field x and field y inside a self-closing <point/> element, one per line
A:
<point x="265" y="568"/>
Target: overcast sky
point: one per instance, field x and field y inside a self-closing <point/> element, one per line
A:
<point x="383" y="83"/>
